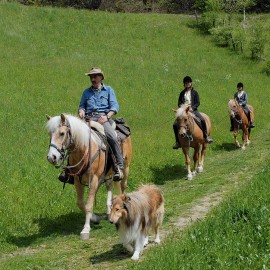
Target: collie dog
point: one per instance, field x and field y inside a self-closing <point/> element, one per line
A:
<point x="134" y="214"/>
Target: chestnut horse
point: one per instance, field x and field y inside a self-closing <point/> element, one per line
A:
<point x="73" y="138"/>
<point x="191" y="135"/>
<point x="240" y="121"/>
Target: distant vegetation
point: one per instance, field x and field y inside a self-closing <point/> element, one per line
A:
<point x="164" y="6"/>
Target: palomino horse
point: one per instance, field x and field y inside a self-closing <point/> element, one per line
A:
<point x="71" y="137"/>
<point x="240" y="121"/>
<point x="191" y="135"/>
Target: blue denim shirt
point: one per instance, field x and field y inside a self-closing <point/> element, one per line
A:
<point x="103" y="100"/>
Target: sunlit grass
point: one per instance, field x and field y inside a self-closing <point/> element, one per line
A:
<point x="44" y="54"/>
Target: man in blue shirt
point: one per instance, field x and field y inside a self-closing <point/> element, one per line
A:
<point x="99" y="103"/>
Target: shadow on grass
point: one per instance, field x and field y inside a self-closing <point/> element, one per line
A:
<point x="115" y="254"/>
<point x="60" y="226"/>
<point x="225" y="146"/>
<point x="168" y="173"/>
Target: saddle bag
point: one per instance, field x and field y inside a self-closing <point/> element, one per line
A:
<point x="122" y="127"/>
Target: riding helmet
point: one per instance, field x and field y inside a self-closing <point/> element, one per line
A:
<point x="187" y="79"/>
<point x="240" y="85"/>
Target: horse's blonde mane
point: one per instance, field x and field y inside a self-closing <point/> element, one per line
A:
<point x="181" y="111"/>
<point x="79" y="130"/>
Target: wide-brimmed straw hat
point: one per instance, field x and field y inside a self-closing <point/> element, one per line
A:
<point x="95" y="71"/>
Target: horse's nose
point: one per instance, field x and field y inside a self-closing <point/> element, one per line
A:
<point x="183" y="135"/>
<point x="51" y="158"/>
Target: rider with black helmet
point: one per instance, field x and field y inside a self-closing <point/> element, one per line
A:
<point x="190" y="97"/>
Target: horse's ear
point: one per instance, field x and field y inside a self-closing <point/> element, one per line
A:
<point x="63" y="118"/>
<point x="48" y="117"/>
<point x="187" y="109"/>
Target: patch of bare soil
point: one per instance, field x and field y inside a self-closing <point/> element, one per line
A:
<point x="199" y="210"/>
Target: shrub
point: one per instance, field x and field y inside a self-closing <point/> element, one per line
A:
<point x="257" y="43"/>
<point x="266" y="68"/>
<point x="222" y="36"/>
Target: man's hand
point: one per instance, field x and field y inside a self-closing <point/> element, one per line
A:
<point x="81" y="113"/>
<point x="102" y="119"/>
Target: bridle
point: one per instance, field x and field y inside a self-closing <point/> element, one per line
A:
<point x="64" y="151"/>
<point x="189" y="127"/>
<point x="236" y="113"/>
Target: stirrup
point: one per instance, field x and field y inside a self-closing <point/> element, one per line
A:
<point x="118" y="175"/>
<point x="65" y="178"/>
<point x="177" y="145"/>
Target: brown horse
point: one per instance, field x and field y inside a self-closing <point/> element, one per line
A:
<point x="191" y="135"/>
<point x="240" y="121"/>
<point x="72" y="137"/>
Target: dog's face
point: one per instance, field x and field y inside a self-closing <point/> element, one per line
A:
<point x="119" y="209"/>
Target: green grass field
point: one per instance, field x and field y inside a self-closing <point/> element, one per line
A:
<point x="44" y="54"/>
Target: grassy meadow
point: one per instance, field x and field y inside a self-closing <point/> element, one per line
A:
<point x="44" y="54"/>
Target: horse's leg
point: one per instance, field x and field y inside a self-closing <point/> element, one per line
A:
<point x="236" y="142"/>
<point x="89" y="215"/>
<point x="196" y="157"/>
<point x="124" y="180"/>
<point x="109" y="187"/>
<point x="244" y="137"/>
<point x="186" y="153"/>
<point x="201" y="161"/>
<point x="80" y="193"/>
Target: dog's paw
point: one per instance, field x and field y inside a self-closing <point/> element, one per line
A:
<point x="135" y="256"/>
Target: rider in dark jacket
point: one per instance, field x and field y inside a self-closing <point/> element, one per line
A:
<point x="190" y="97"/>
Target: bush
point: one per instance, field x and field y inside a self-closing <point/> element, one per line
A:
<point x="257" y="43"/>
<point x="222" y="36"/>
<point x="266" y="69"/>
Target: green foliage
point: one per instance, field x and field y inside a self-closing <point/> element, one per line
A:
<point x="257" y="43"/>
<point x="222" y="36"/>
<point x="266" y="68"/>
<point x="207" y="21"/>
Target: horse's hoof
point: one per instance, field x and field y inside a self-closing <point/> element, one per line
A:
<point x="200" y="169"/>
<point x="194" y="173"/>
<point x="189" y="177"/>
<point x="84" y="236"/>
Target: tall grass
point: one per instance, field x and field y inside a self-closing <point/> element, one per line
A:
<point x="235" y="236"/>
<point x="44" y="54"/>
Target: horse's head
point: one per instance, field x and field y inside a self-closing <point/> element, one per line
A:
<point x="183" y="120"/>
<point x="233" y="107"/>
<point x="61" y="139"/>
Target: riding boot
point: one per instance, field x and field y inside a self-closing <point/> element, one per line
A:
<point x="65" y="177"/>
<point x="232" y="127"/>
<point x="205" y="135"/>
<point x="177" y="143"/>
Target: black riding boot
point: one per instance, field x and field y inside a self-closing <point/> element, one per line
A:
<point x="231" y="128"/>
<point x="205" y="135"/>
<point x="177" y="143"/>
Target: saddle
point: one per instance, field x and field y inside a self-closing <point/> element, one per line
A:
<point x="197" y="120"/>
